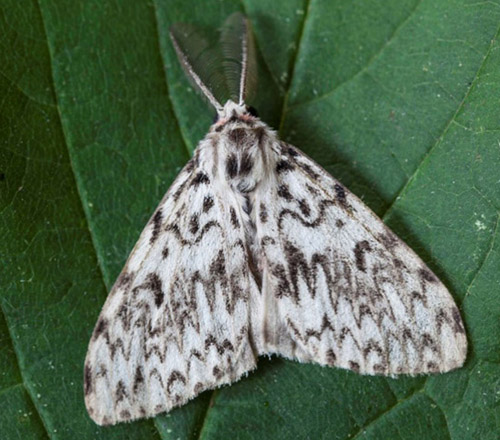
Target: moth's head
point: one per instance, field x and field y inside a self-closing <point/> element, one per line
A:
<point x="233" y="112"/>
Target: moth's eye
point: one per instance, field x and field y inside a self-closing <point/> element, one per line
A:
<point x="253" y="111"/>
<point x="216" y="118"/>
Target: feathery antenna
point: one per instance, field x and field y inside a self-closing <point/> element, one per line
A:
<point x="179" y="34"/>
<point x="224" y="69"/>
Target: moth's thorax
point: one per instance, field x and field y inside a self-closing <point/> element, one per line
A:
<point x="239" y="145"/>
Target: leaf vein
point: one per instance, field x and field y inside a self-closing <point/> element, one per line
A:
<point x="21" y="373"/>
<point x="446" y="128"/>
<point x="205" y="416"/>
<point x="444" y="416"/>
<point x="486" y="255"/>
<point x="24" y="93"/>
<point x="293" y="64"/>
<point x="391" y="408"/>
<point x="367" y="65"/>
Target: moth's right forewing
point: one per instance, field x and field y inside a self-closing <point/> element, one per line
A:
<point x="343" y="289"/>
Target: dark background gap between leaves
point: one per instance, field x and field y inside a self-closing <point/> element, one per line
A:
<point x="398" y="99"/>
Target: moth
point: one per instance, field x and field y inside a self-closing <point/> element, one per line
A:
<point x="256" y="250"/>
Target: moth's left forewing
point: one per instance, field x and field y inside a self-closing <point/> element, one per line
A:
<point x="176" y="322"/>
<point x="344" y="290"/>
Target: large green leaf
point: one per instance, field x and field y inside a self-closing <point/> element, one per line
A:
<point x="399" y="99"/>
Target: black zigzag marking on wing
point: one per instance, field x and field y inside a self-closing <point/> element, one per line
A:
<point x="320" y="218"/>
<point x="174" y="228"/>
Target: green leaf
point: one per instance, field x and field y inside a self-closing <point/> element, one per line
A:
<point x="398" y="99"/>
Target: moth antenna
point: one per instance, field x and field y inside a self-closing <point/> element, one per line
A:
<point x="194" y="55"/>
<point x="244" y="63"/>
<point x="238" y="49"/>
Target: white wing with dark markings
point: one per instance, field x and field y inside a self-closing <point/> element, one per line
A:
<point x="344" y="290"/>
<point x="177" y="319"/>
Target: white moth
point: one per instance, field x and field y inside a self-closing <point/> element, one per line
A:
<point x="254" y="250"/>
